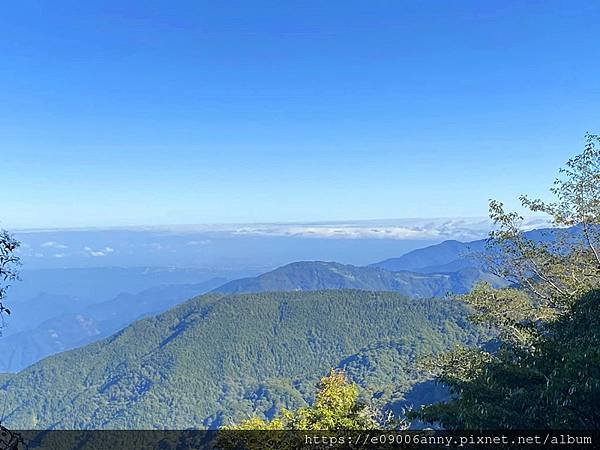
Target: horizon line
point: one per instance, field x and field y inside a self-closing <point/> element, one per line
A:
<point x="223" y="226"/>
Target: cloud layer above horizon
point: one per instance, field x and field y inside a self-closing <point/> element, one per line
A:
<point x="246" y="245"/>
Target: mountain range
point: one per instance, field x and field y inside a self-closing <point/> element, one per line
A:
<point x="42" y="294"/>
<point x="68" y="314"/>
<point x="253" y="345"/>
<point x="316" y="275"/>
<point x="65" y="331"/>
<point x="220" y="358"/>
<point x="448" y="256"/>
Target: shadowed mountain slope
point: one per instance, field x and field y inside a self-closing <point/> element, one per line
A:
<point x="316" y="275"/>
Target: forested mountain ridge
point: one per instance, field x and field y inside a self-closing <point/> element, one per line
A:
<point x="70" y="317"/>
<point x="217" y="358"/>
<point x="316" y="275"/>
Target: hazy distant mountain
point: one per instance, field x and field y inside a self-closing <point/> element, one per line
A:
<point x="217" y="358"/>
<point x="45" y="293"/>
<point x="71" y="327"/>
<point x="451" y="255"/>
<point x="50" y="323"/>
<point x="448" y="256"/>
<point x="316" y="275"/>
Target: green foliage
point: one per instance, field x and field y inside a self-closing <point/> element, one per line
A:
<point x="318" y="275"/>
<point x="545" y="373"/>
<point x="555" y="271"/>
<point x="555" y="386"/>
<point x="9" y="263"/>
<point x="217" y="360"/>
<point x="336" y="407"/>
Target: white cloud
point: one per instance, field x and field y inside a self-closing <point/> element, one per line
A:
<point x="98" y="253"/>
<point x="414" y="229"/>
<point x="400" y="231"/>
<point x="196" y="243"/>
<point x="53" y="244"/>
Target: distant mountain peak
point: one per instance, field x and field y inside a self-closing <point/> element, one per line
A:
<point x="317" y="275"/>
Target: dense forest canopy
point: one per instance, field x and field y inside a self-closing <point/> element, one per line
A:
<point x="217" y="360"/>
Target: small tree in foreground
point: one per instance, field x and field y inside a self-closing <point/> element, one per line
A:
<point x="336" y="407"/>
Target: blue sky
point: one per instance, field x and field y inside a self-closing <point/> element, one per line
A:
<point x="117" y="112"/>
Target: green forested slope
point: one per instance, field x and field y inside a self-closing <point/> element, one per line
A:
<point x="217" y="358"/>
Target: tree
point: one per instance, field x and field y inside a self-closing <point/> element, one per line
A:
<point x="336" y="407"/>
<point x="556" y="385"/>
<point x="547" y="356"/>
<point x="9" y="263"/>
